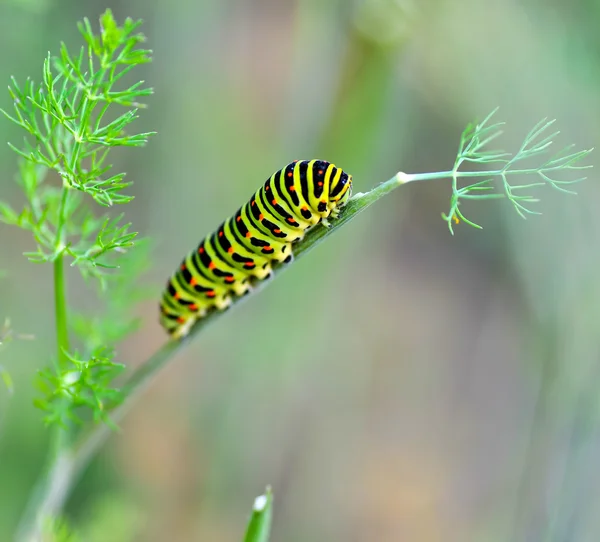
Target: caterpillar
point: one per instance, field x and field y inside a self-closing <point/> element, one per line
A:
<point x="242" y="250"/>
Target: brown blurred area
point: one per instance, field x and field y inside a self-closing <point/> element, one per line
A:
<point x="397" y="384"/>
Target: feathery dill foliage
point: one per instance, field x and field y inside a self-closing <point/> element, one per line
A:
<point x="472" y="145"/>
<point x="73" y="119"/>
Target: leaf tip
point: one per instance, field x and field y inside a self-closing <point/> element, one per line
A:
<point x="260" y="503"/>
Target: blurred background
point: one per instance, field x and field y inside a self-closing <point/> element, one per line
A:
<point x="437" y="387"/>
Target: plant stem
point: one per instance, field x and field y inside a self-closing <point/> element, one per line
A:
<point x="465" y="174"/>
<point x="60" y="307"/>
<point x="52" y="489"/>
<point x="50" y="492"/>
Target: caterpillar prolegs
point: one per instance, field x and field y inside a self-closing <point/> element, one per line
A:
<point x="243" y="248"/>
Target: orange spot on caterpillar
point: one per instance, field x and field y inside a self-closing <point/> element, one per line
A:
<point x="183" y="267"/>
<point x="274" y="202"/>
<point x="289" y="174"/>
<point x="267" y="188"/>
<point x="323" y="201"/>
<point x="193" y="281"/>
<point x="291" y="220"/>
<point x="261" y="216"/>
<point x="304" y="208"/>
<point x="181" y="320"/>
<point x="292" y="188"/>
<point x="238" y="218"/>
<point x="230" y="250"/>
<point x="320" y="183"/>
<point x="229" y="279"/>
<point x="211" y="293"/>
<point x="176" y="295"/>
<point x="193" y="307"/>
<point x="248" y="235"/>
<point x="220" y="234"/>
<point x="320" y="172"/>
<point x="253" y="203"/>
<point x="277" y="230"/>
<point x="201" y="250"/>
<point x="249" y="264"/>
<point x="212" y="265"/>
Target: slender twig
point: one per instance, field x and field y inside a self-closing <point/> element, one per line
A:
<point x="60" y="308"/>
<point x="55" y="482"/>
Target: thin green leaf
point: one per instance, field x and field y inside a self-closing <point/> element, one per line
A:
<point x="259" y="526"/>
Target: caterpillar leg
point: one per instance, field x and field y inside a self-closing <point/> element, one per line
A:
<point x="222" y="302"/>
<point x="241" y="287"/>
<point x="289" y="259"/>
<point x="183" y="328"/>
<point x="178" y="325"/>
<point x="335" y="212"/>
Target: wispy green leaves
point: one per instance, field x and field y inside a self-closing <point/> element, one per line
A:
<point x="109" y="235"/>
<point x="82" y="383"/>
<point x="66" y="113"/>
<point x="82" y="109"/>
<point x="472" y="148"/>
<point x="72" y="122"/>
<point x="114" y="318"/>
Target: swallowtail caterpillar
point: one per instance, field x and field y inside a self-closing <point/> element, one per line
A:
<point x="243" y="248"/>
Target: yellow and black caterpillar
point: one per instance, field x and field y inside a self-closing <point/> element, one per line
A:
<point x="293" y="200"/>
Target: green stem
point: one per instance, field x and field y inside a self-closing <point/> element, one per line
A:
<point x="60" y="307"/>
<point x="464" y="174"/>
<point x="50" y="493"/>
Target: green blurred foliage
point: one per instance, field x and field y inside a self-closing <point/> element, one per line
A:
<point x="397" y="384"/>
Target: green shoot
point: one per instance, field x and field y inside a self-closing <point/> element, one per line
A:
<point x="259" y="526"/>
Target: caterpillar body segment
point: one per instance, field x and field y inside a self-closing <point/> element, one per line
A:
<point x="242" y="249"/>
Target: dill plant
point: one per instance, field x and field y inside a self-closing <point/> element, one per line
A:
<point x="72" y="120"/>
<point x="79" y="113"/>
<point x="72" y="123"/>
